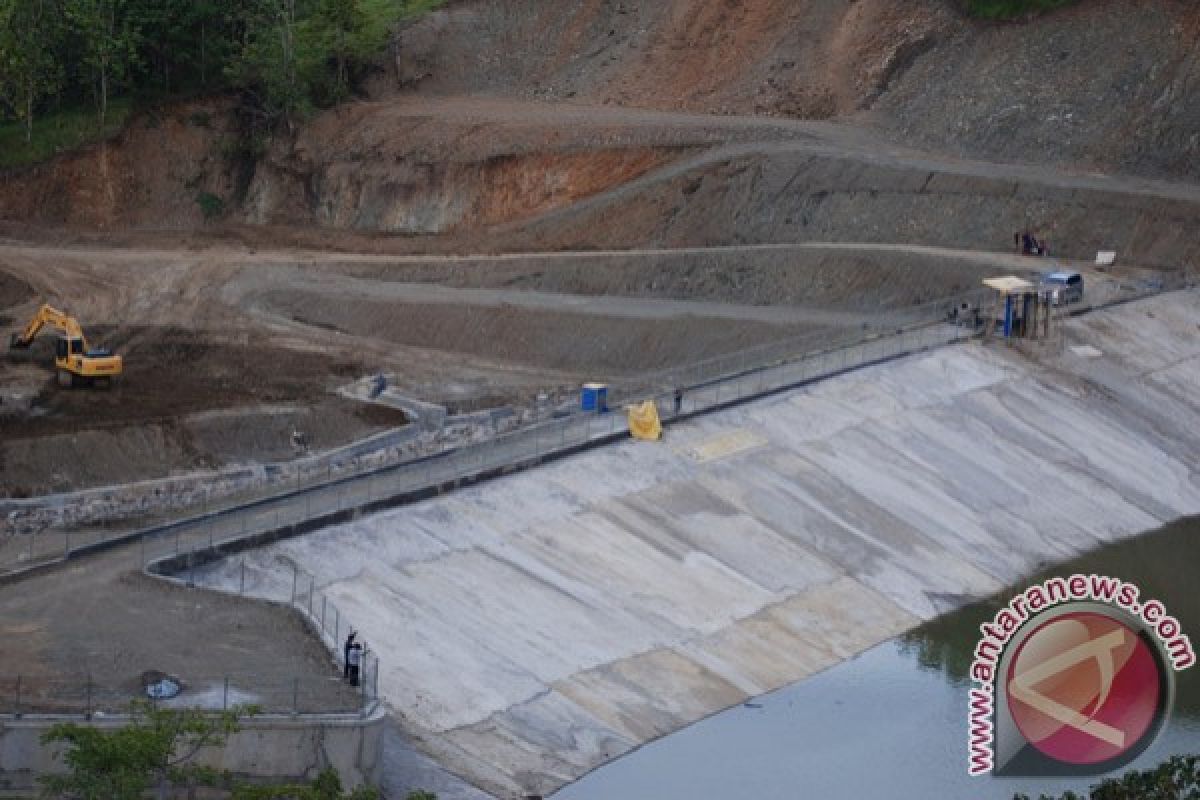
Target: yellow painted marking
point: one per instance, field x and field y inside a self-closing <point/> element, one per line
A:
<point x="727" y="444"/>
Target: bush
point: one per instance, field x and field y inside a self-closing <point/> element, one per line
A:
<point x="1010" y="9"/>
<point x="210" y="205"/>
<point x="1177" y="778"/>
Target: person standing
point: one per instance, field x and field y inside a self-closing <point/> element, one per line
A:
<point x="354" y="663"/>
<point x="346" y="655"/>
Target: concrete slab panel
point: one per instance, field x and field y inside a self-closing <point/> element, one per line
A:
<point x="534" y="627"/>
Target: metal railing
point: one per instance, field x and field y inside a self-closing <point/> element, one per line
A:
<point x="681" y="391"/>
<point x="190" y="545"/>
<point x="333" y="694"/>
<point x="87" y="695"/>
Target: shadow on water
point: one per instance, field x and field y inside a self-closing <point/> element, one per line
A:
<point x="892" y="722"/>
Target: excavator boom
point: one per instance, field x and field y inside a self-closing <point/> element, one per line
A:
<point x="47" y="315"/>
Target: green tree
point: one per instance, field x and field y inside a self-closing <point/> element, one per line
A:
<point x="336" y="43"/>
<point x="155" y="750"/>
<point x="179" y="39"/>
<point x="1177" y="778"/>
<point x="264" y="65"/>
<point x="108" y="44"/>
<point x="29" y="66"/>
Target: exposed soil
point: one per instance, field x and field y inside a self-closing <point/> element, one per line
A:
<point x="149" y="176"/>
<point x="1102" y="84"/>
<point x="103" y="620"/>
<point x="12" y="291"/>
<point x="171" y="372"/>
<point x="580" y="345"/>
<point x="709" y="127"/>
<point x="859" y="280"/>
<point x="557" y="132"/>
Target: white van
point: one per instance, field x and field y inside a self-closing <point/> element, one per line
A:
<point x="1062" y="288"/>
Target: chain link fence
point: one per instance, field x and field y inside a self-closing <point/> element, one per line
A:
<point x="88" y="696"/>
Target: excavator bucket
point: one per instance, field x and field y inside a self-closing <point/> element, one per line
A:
<point x="15" y="342"/>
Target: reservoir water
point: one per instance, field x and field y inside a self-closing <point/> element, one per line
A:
<point x="892" y="722"/>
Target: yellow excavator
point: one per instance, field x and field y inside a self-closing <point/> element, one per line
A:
<point x="78" y="362"/>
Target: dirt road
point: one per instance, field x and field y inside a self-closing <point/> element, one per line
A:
<point x="742" y="135"/>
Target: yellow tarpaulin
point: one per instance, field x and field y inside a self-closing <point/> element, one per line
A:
<point x="644" y="423"/>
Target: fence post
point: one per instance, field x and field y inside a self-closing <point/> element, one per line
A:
<point x="17" y="704"/>
<point x="242" y="589"/>
<point x="225" y="695"/>
<point x="324" y="604"/>
<point x="337" y="619"/>
<point x="88" y="711"/>
<point x="66" y="545"/>
<point x="295" y="578"/>
<point x="142" y="545"/>
<point x="295" y="696"/>
<point x="312" y="583"/>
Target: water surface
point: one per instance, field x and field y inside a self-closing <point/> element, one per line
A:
<point x="892" y="722"/>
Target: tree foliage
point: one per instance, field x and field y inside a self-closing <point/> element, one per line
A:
<point x="1177" y="778"/>
<point x="29" y="67"/>
<point x="281" y="57"/>
<point x="154" y="751"/>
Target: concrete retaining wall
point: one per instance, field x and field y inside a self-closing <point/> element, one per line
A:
<point x="268" y="749"/>
<point x="536" y="626"/>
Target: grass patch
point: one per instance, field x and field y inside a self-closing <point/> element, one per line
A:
<point x="1010" y="9"/>
<point x="58" y="132"/>
<point x="383" y="14"/>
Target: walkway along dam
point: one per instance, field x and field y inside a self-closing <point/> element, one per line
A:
<point x="536" y="626"/>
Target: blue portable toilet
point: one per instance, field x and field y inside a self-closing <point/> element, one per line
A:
<point x="595" y="397"/>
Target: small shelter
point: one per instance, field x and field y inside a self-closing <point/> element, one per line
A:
<point x="1016" y="307"/>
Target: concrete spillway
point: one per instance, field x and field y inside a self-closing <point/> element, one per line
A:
<point x="539" y="625"/>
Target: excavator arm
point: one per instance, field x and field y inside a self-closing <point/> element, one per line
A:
<point x="67" y="325"/>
